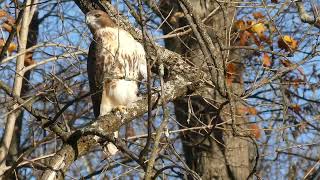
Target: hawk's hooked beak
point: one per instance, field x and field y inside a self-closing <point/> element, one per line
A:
<point x="87" y="19"/>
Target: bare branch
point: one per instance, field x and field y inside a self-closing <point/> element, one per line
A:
<point x="11" y="119"/>
<point x="184" y="78"/>
<point x="305" y="17"/>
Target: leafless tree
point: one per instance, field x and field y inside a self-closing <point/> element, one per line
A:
<point x="232" y="91"/>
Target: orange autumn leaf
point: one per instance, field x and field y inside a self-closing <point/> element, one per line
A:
<point x="231" y="70"/>
<point x="258" y="15"/>
<point x="297" y="82"/>
<point x="243" y="110"/>
<point x="7" y="27"/>
<point x="286" y="63"/>
<point x="256" y="41"/>
<point x="255" y="131"/>
<point x="296" y="108"/>
<point x="12" y="47"/>
<point x="3" y="13"/>
<point x="250" y="22"/>
<point x="244" y="37"/>
<point x="252" y="111"/>
<point x="8" y="23"/>
<point x="266" y="60"/>
<point x="266" y="39"/>
<point x="287" y="43"/>
<point x="229" y="80"/>
<point x="10" y="20"/>
<point x="240" y="25"/>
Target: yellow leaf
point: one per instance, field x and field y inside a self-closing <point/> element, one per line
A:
<point x="287" y="43"/>
<point x="258" y="28"/>
<point x="12" y="46"/>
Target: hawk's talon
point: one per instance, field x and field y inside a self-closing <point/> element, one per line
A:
<point x="121" y="109"/>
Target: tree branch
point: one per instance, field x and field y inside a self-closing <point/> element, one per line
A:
<point x="17" y="86"/>
<point x="184" y="78"/>
<point x="305" y="17"/>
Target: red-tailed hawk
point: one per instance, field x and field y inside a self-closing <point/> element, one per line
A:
<point x="116" y="63"/>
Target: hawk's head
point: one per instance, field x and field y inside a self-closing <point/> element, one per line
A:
<point x="97" y="19"/>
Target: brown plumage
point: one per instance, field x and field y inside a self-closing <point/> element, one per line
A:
<point x="116" y="62"/>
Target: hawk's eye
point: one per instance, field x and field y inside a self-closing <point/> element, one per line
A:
<point x="97" y="15"/>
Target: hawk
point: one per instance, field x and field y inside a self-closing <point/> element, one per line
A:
<point x="116" y="64"/>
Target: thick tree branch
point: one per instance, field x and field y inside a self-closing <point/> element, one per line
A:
<point x="305" y="17"/>
<point x="184" y="78"/>
<point x="81" y="144"/>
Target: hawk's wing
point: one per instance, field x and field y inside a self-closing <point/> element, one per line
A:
<point x="95" y="78"/>
<point x="142" y="61"/>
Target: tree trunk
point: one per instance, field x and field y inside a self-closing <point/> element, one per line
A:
<point x="223" y="155"/>
<point x="17" y="85"/>
<point x="14" y="151"/>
